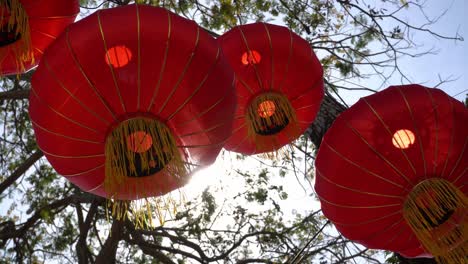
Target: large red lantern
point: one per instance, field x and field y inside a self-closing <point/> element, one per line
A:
<point x="126" y="101"/>
<point x="391" y="173"/>
<point x="279" y="86"/>
<point x="27" y="27"/>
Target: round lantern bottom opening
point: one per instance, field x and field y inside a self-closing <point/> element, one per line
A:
<point x="433" y="223"/>
<point x="8" y="37"/>
<point x="272" y="128"/>
<point x="269" y="113"/>
<point x="155" y="166"/>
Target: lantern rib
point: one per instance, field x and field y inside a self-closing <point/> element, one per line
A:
<point x="205" y="111"/>
<point x="459" y="177"/>
<point x="241" y="141"/>
<point x="62" y="115"/>
<point x="239" y="127"/>
<point x="245" y="84"/>
<point x="397" y="234"/>
<point x="458" y="160"/>
<point x="361" y="167"/>
<point x="416" y="131"/>
<point x="56" y="79"/>
<point x="202" y="145"/>
<point x="182" y="74"/>
<point x="39" y="50"/>
<point x="54" y="17"/>
<point x="304" y="107"/>
<point x="205" y="130"/>
<point x="95" y="188"/>
<point x="43" y="33"/>
<point x="379" y="154"/>
<point x="83" y="172"/>
<point x="73" y="157"/>
<point x="394" y="213"/>
<point x="285" y="75"/>
<point x="359" y="207"/>
<point x="301" y="95"/>
<point x="80" y="68"/>
<point x="410" y="236"/>
<point x="386" y="229"/>
<point x="163" y="63"/>
<point x="271" y="56"/>
<point x="199" y="86"/>
<point x="436" y="122"/>
<point x="452" y="139"/>
<point x="139" y="58"/>
<point x="114" y="78"/>
<point x="249" y="51"/>
<point x="384" y="124"/>
<point x="65" y="136"/>
<point x="356" y="190"/>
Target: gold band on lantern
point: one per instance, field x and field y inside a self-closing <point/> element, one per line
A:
<point x="267" y="115"/>
<point x="14" y="20"/>
<point x="436" y="212"/>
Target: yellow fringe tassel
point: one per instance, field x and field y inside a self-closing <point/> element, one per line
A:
<point x="123" y="167"/>
<point x="436" y="212"/>
<point x="268" y="114"/>
<point x="18" y="23"/>
<point x="144" y="212"/>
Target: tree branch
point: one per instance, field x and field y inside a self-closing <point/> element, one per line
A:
<point x="109" y="250"/>
<point x="20" y="170"/>
<point x="14" y="94"/>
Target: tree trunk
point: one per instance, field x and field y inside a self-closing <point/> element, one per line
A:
<point x="109" y="249"/>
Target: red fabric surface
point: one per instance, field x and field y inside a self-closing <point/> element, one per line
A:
<point x="362" y="179"/>
<point x="287" y="65"/>
<point x="47" y="19"/>
<point x="179" y="78"/>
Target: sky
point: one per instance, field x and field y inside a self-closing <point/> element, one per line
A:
<point x="449" y="61"/>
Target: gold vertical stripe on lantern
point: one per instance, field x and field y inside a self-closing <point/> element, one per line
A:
<point x="430" y="210"/>
<point x="14" y="20"/>
<point x="121" y="160"/>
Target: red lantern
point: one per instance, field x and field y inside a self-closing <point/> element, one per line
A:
<point x="391" y="173"/>
<point x="279" y="86"/>
<point x="123" y="108"/>
<point x="27" y="27"/>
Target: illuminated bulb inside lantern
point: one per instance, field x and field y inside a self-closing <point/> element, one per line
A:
<point x="403" y="139"/>
<point x="139" y="142"/>
<point x="118" y="56"/>
<point x="251" y="57"/>
<point x="266" y="109"/>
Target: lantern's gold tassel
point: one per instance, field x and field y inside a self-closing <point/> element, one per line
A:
<point x="125" y="163"/>
<point x="14" y="26"/>
<point x="436" y="211"/>
<point x="267" y="115"/>
<point x="144" y="212"/>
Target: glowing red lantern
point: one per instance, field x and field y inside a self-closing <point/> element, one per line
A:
<point x="279" y="86"/>
<point x="391" y="173"/>
<point x="123" y="108"/>
<point x="27" y="27"/>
